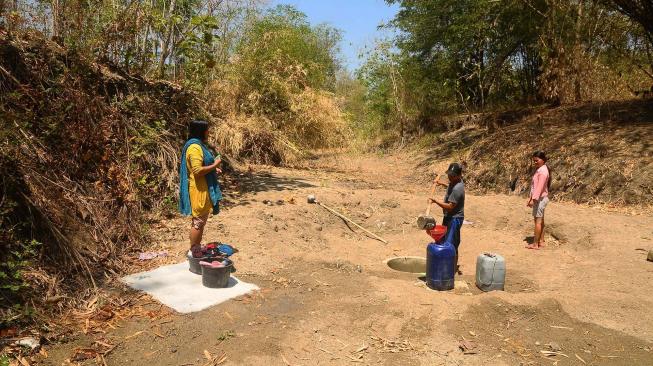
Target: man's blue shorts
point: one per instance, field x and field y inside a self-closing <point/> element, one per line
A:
<point x="453" y="225"/>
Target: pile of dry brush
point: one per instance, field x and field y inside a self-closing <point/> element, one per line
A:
<point x="85" y="149"/>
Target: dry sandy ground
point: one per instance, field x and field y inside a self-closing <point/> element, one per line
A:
<point x="327" y="297"/>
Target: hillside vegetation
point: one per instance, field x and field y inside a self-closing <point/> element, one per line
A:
<point x="598" y="152"/>
<point x="86" y="150"/>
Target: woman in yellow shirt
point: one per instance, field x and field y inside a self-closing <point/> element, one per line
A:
<point x="199" y="191"/>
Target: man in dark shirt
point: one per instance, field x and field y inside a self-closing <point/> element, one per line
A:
<point x="453" y="206"/>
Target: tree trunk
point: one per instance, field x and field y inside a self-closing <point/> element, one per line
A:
<point x="165" y="44"/>
<point x="553" y="58"/>
<point x="578" y="54"/>
<point x="55" y="18"/>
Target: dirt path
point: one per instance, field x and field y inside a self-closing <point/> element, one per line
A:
<point x="328" y="299"/>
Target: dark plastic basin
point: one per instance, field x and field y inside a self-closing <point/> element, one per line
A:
<point x="216" y="277"/>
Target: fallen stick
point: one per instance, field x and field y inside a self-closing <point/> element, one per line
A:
<point x="560" y="327"/>
<point x="284" y="359"/>
<point x="222" y="359"/>
<point x="553" y="353"/>
<point x="352" y="222"/>
<point x="149" y="354"/>
<point x="344" y="345"/>
<point x="22" y="361"/>
<point x="135" y="334"/>
<point x="354" y="359"/>
<point x="361" y="348"/>
<point x="323" y="350"/>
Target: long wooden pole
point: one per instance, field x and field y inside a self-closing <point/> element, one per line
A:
<point x="350" y="220"/>
<point x="428" y="200"/>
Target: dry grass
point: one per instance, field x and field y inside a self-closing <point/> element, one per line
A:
<point x="253" y="139"/>
<point x="277" y="124"/>
<point x="590" y="79"/>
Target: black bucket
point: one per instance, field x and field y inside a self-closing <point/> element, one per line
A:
<point x="216" y="277"/>
<point x="194" y="263"/>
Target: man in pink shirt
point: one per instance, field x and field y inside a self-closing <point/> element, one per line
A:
<point x="539" y="197"/>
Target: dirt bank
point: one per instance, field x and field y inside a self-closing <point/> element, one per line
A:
<point x="598" y="153"/>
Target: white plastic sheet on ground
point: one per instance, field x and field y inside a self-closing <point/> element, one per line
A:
<point x="175" y="286"/>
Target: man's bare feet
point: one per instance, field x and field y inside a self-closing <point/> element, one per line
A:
<point x="541" y="244"/>
<point x="532" y="246"/>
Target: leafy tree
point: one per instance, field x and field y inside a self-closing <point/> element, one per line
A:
<point x="640" y="11"/>
<point x="466" y="44"/>
<point x="351" y="94"/>
<point x="641" y="42"/>
<point x="382" y="75"/>
<point x="471" y="55"/>
<point x="178" y="39"/>
<point x="282" y="54"/>
<point x="283" y="37"/>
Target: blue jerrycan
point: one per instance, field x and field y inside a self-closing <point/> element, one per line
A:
<point x="440" y="265"/>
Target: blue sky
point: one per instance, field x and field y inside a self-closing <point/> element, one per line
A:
<point x="357" y="19"/>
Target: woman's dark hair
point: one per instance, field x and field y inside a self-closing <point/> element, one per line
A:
<point x="197" y="129"/>
<point x="542" y="155"/>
